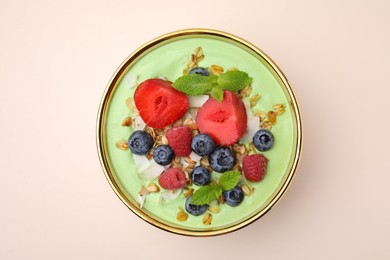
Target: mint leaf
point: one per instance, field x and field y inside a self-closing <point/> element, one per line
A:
<point x="234" y="80"/>
<point x="229" y="180"/>
<point x="217" y="93"/>
<point x="206" y="194"/>
<point x="195" y="84"/>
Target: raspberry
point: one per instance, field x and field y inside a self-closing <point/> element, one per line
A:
<point x="172" y="179"/>
<point x="254" y="167"/>
<point x="179" y="139"/>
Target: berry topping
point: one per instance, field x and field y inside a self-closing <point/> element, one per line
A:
<point x="172" y="179"/>
<point x="263" y="140"/>
<point x="254" y="167"/>
<point x="163" y="155"/>
<point x="200" y="176"/>
<point x="158" y="103"/>
<point x="179" y="138"/>
<point x="202" y="144"/>
<point x="200" y="71"/>
<point x="233" y="197"/>
<point x="221" y="159"/>
<point x="140" y="142"/>
<point x="194" y="209"/>
<point x="224" y="121"/>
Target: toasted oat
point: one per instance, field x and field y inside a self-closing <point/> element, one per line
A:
<point x="196" y="57"/>
<point x="164" y="140"/>
<point x="176" y="162"/>
<point x="188" y="192"/>
<point x="248" y="191"/>
<point x="204" y="161"/>
<point x="122" y="144"/>
<point x="152" y="187"/>
<point x="279" y="109"/>
<point x="189" y="160"/>
<point x="253" y="100"/>
<point x="127" y="121"/>
<point x="261" y="114"/>
<point x="149" y="155"/>
<point x="178" y="122"/>
<point x="151" y="131"/>
<point x="245" y="92"/>
<point x="272" y="117"/>
<point x="214" y="209"/>
<point x="216" y="70"/>
<point x="207" y="218"/>
<point x="130" y="103"/>
<point x="266" y="124"/>
<point x="232" y="69"/>
<point x="143" y="191"/>
<point x="181" y="215"/>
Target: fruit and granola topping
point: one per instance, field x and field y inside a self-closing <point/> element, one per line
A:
<point x="199" y="139"/>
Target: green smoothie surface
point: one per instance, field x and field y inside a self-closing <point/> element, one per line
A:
<point x="169" y="60"/>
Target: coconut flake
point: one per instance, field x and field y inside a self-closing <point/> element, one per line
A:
<point x="141" y="162"/>
<point x="252" y="124"/>
<point x="169" y="195"/>
<point x="152" y="172"/>
<point x="197" y="101"/>
<point x="138" y="123"/>
<point x="140" y="200"/>
<point x="131" y="80"/>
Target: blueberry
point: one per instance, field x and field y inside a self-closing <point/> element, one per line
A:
<point x="140" y="142"/>
<point x="263" y="140"/>
<point x="221" y="159"/>
<point x="194" y="209"/>
<point x="200" y="71"/>
<point x="163" y="154"/>
<point x="200" y="176"/>
<point x="233" y="197"/>
<point x="202" y="144"/>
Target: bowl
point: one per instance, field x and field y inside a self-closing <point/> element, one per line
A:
<point x="166" y="57"/>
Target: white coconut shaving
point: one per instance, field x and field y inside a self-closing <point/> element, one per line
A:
<point x="252" y="123"/>
<point x="169" y="195"/>
<point x="152" y="172"/>
<point x="141" y="162"/>
<point x="131" y="80"/>
<point x="138" y="123"/>
<point x="140" y="200"/>
<point x="197" y="101"/>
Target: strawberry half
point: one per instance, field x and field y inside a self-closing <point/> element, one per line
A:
<point x="224" y="121"/>
<point x="158" y="103"/>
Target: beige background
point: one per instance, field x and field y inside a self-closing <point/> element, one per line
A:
<point x="55" y="60"/>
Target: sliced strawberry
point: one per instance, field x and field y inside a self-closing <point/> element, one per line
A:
<point x="224" y="121"/>
<point x="158" y="103"/>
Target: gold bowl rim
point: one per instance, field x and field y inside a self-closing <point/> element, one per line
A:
<point x="101" y="124"/>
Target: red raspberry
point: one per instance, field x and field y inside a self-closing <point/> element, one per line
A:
<point x="172" y="179"/>
<point x="254" y="167"/>
<point x="179" y="139"/>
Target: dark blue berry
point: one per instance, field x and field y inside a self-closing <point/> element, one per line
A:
<point x="221" y="159"/>
<point x="200" y="176"/>
<point x="233" y="197"/>
<point x="163" y="154"/>
<point x="140" y="142"/>
<point x="202" y="144"/>
<point x="263" y="140"/>
<point x="200" y="71"/>
<point x="194" y="209"/>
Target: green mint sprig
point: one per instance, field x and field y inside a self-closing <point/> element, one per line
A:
<point x="195" y="84"/>
<point x="212" y="191"/>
